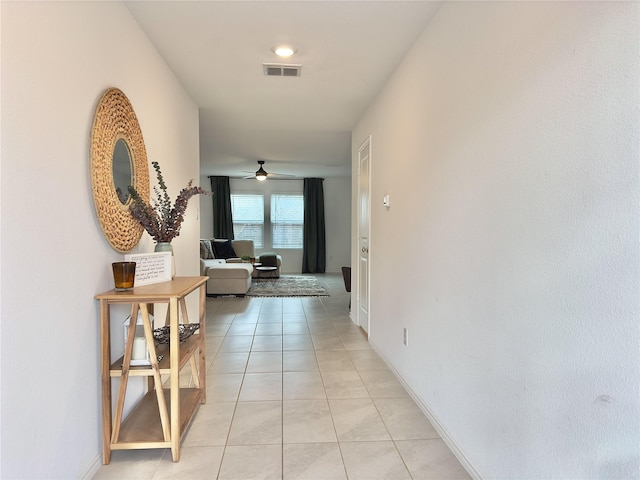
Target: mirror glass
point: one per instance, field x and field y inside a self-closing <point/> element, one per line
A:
<point x="122" y="173"/>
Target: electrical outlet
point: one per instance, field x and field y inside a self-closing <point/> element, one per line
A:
<point x="405" y="336"/>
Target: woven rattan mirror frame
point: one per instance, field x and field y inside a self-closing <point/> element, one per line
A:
<point x="115" y="119"/>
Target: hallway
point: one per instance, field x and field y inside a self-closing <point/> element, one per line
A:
<point x="294" y="391"/>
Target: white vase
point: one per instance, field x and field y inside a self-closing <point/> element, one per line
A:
<point x="167" y="247"/>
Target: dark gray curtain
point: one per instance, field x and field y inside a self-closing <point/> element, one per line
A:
<point x="222" y="220"/>
<point x="314" y="251"/>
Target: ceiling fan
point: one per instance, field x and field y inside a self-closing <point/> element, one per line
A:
<point x="261" y="174"/>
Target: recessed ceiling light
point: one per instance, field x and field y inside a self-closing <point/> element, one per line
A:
<point x="283" y="51"/>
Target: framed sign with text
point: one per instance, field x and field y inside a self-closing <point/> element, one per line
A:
<point x="151" y="267"/>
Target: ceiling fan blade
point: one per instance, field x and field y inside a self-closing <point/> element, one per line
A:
<point x="280" y="175"/>
<point x="269" y="174"/>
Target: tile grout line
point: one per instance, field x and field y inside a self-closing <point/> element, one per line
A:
<point x="235" y="408"/>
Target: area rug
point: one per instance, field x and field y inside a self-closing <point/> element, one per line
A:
<point x="287" y="286"/>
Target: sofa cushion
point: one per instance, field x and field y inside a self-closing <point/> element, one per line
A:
<point x="224" y="249"/>
<point x="208" y="263"/>
<point x="230" y="270"/>
<point x="206" y="251"/>
<point x="244" y="247"/>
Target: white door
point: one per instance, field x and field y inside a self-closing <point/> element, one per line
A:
<point x="364" y="154"/>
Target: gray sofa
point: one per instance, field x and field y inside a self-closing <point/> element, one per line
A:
<point x="228" y="273"/>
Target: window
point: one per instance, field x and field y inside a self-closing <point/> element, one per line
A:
<point x="287" y="215"/>
<point x="248" y="218"/>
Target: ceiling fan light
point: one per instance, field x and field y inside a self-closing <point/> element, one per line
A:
<point x="261" y="175"/>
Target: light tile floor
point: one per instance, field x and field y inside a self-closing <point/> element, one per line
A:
<point x="295" y="392"/>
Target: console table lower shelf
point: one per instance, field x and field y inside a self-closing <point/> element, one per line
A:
<point x="141" y="428"/>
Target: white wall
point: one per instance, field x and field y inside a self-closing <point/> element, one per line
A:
<point x="57" y="60"/>
<point x="509" y="140"/>
<point x="337" y="201"/>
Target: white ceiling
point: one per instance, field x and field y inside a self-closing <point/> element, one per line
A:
<point x="299" y="125"/>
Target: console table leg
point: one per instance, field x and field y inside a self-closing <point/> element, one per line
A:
<point x="162" y="404"/>
<point x="124" y="379"/>
<point x="105" y="352"/>
<point x="202" y="370"/>
<point x="174" y="348"/>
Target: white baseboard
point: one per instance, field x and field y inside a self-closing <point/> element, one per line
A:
<point x="442" y="431"/>
<point x="93" y="468"/>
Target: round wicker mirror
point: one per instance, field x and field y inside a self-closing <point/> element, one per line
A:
<point x="116" y="122"/>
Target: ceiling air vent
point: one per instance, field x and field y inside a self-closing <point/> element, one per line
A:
<point x="281" y="70"/>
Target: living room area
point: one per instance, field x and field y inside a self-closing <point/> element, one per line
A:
<point x="337" y="205"/>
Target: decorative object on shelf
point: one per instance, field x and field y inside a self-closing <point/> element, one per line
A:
<point x="118" y="159"/>
<point x="186" y="330"/>
<point x="245" y="258"/>
<point x="167" y="247"/>
<point x="152" y="267"/>
<point x="140" y="353"/>
<point x="124" y="274"/>
<point x="160" y="219"/>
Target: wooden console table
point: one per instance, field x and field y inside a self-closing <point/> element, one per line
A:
<point x="162" y="416"/>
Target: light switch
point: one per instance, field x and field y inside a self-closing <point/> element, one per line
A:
<point x="386" y="201"/>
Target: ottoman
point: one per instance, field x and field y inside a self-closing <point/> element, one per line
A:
<point x="270" y="259"/>
<point x="229" y="279"/>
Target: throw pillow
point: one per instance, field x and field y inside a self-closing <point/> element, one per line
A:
<point x="206" y="251"/>
<point x="224" y="250"/>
